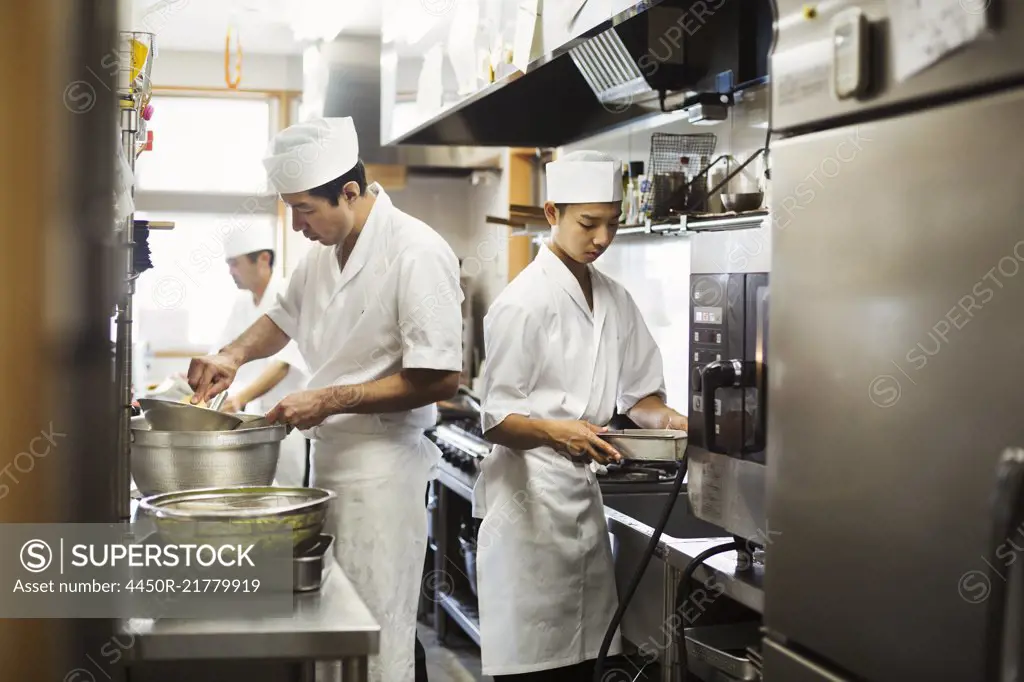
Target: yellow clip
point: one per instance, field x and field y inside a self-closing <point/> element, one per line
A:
<point x="232" y="83"/>
<point x="810" y="11"/>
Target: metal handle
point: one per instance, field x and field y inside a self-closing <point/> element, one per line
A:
<point x="218" y="400"/>
<point x="1008" y="513"/>
<point x="716" y="375"/>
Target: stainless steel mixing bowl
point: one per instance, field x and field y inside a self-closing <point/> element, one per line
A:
<point x="166" y="461"/>
<point x="261" y="516"/>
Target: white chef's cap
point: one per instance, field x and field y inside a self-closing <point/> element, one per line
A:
<point x="308" y="154"/>
<point x="249" y="239"/>
<point x="584" y="177"/>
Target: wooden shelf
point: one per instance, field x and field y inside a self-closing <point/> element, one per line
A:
<point x="520" y="216"/>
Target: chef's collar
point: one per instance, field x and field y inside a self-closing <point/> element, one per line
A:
<point x="557" y="270"/>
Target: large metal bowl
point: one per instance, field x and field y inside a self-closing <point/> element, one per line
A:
<point x="262" y="516"/>
<point x="166" y="461"/>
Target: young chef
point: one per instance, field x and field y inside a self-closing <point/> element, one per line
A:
<point x="375" y="307"/>
<point x="249" y="253"/>
<point x="565" y="347"/>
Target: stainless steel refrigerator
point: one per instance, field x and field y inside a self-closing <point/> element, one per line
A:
<point x="898" y="321"/>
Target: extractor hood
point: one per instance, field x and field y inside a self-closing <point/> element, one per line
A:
<point x="642" y="62"/>
<point x="343" y="78"/>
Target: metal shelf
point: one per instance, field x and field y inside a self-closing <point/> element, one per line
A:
<point x="455" y="607"/>
<point x="679" y="227"/>
<point x="454" y="484"/>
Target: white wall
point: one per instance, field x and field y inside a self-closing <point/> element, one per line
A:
<point x="206" y="70"/>
<point x="457" y="209"/>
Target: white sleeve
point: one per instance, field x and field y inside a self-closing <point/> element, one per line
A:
<point x="286" y="309"/>
<point x="513" y="340"/>
<point x="430" y="309"/>
<point x="642" y="371"/>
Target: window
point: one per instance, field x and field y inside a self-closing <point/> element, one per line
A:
<point x="204" y="144"/>
<point x="184" y="300"/>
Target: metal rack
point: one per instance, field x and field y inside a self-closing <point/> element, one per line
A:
<point x="135" y="54"/>
<point x="680" y="226"/>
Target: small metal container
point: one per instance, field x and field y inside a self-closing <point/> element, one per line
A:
<point x="311" y="562"/>
<point x="648" y="445"/>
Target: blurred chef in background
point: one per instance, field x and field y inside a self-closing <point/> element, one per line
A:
<point x="259" y="385"/>
<point x="566" y="348"/>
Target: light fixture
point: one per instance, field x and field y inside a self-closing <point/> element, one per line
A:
<point x="707" y="108"/>
<point x="315" y="20"/>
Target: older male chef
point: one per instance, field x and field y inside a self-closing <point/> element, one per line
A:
<point x="249" y="251"/>
<point x="565" y="347"/>
<point x="375" y="307"/>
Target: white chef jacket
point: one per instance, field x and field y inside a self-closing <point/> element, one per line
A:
<point x="545" y="572"/>
<point x="245" y="312"/>
<point x="397" y="305"/>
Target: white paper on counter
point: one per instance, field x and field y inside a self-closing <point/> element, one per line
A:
<point x="526" y="31"/>
<point x="925" y="31"/>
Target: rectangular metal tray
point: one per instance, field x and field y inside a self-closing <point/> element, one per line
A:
<point x="310" y="564"/>
<point x="712" y="644"/>
<point x="648" y="445"/>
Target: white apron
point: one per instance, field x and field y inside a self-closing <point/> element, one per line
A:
<point x="396" y="304"/>
<point x="545" y="569"/>
<point x="379" y="524"/>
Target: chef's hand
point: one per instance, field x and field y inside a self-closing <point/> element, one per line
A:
<point x="576" y="438"/>
<point x="232" y="405"/>
<point x="209" y="375"/>
<point x="678" y="422"/>
<point x="303" y="410"/>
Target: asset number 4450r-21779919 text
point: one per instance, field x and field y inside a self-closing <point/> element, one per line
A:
<point x="194" y="585"/>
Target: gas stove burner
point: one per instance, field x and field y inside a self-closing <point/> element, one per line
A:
<point x="632" y="471"/>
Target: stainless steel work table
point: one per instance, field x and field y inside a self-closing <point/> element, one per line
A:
<point x="745" y="587"/>
<point x="331" y="625"/>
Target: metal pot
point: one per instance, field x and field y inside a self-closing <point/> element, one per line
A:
<point x="167" y="461"/>
<point x="742" y="201"/>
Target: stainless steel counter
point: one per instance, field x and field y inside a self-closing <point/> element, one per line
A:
<point x="330" y="625"/>
<point x="746" y="586"/>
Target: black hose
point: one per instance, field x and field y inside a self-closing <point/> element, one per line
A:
<point x="1008" y="515"/>
<point x="634" y="582"/>
<point x="683" y="593"/>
